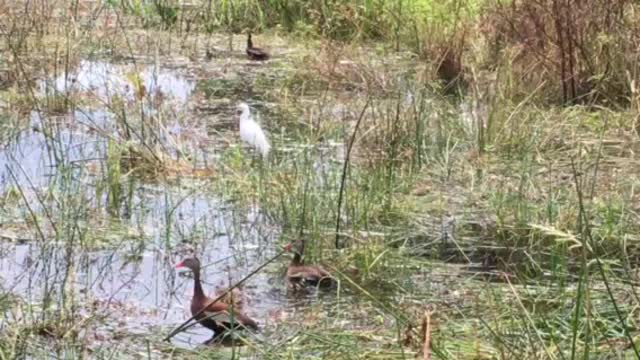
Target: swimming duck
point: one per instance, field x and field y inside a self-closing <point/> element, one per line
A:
<point x="300" y="274"/>
<point x="255" y="53"/>
<point x="218" y="316"/>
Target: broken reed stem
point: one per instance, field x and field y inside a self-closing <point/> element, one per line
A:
<point x="427" y="335"/>
<point x="343" y="179"/>
<point x="187" y="324"/>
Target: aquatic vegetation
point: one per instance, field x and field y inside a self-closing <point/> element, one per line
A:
<point x="432" y="155"/>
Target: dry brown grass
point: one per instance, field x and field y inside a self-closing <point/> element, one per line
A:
<point x="588" y="50"/>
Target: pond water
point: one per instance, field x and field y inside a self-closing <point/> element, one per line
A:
<point x="142" y="283"/>
<point x="103" y="81"/>
<point x="129" y="273"/>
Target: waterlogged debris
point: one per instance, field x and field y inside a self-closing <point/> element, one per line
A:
<point x="168" y="83"/>
<point x="189" y="171"/>
<point x="12" y="236"/>
<point x="278" y="316"/>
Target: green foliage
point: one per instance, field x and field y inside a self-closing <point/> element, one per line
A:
<point x="339" y="20"/>
<point x="168" y="12"/>
<point x="162" y="13"/>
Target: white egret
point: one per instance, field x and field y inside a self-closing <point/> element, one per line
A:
<point x="251" y="132"/>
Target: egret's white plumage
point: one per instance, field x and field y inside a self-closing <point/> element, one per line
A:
<point x="251" y="132"/>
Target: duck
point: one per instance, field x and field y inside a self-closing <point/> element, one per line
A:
<point x="255" y="53"/>
<point x="217" y="316"/>
<point x="300" y="275"/>
<point x="251" y="132"/>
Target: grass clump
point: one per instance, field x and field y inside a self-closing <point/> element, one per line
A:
<point x="579" y="53"/>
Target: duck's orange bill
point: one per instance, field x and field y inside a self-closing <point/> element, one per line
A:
<point x="180" y="264"/>
<point x="288" y="247"/>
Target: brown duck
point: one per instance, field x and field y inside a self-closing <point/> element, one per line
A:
<point x="255" y="53"/>
<point x="300" y="274"/>
<point x="217" y="316"/>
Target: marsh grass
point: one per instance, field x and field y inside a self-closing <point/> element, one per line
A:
<point x="515" y="209"/>
<point x="515" y="221"/>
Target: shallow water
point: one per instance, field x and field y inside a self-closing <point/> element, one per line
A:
<point x="103" y="81"/>
<point x="30" y="160"/>
<point x="136" y="280"/>
<point x="128" y="273"/>
<point x="79" y="139"/>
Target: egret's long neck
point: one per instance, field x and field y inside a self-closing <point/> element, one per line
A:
<point x="244" y="116"/>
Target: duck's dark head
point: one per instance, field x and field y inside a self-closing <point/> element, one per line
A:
<point x="192" y="264"/>
<point x="249" y="42"/>
<point x="297" y="248"/>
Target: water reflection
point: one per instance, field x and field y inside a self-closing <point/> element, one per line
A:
<point x="32" y="159"/>
<point x="134" y="280"/>
<point x="143" y="281"/>
<point x="104" y="81"/>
